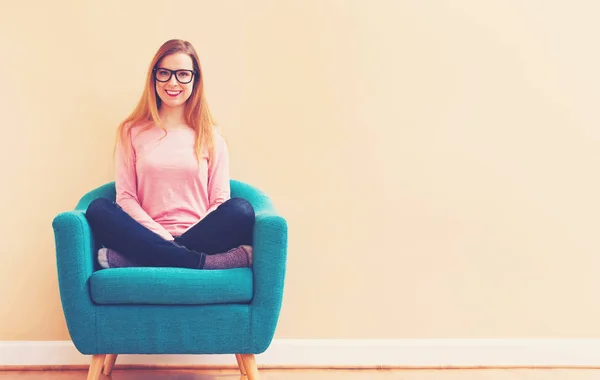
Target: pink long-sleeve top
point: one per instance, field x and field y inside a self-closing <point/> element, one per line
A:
<point x="160" y="184"/>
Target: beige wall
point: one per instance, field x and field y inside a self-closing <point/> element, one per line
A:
<point x="437" y="161"/>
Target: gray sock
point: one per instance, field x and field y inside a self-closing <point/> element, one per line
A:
<point x="239" y="257"/>
<point x="109" y="258"/>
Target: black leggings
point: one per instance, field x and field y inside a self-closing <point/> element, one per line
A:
<point x="229" y="226"/>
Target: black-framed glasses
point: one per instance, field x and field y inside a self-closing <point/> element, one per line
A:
<point x="182" y="76"/>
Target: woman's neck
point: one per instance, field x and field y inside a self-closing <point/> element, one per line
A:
<point x="172" y="117"/>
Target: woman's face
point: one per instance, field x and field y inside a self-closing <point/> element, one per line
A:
<point x="169" y="86"/>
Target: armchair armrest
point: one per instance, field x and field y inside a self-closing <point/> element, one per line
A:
<point x="75" y="264"/>
<point x="269" y="269"/>
<point x="269" y="265"/>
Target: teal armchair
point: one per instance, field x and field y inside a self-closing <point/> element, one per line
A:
<point x="170" y="310"/>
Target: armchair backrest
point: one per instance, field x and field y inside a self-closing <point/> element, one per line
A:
<point x="105" y="191"/>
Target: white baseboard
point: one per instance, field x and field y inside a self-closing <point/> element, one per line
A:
<point x="433" y="353"/>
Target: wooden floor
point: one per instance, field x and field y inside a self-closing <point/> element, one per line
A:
<point x="269" y="374"/>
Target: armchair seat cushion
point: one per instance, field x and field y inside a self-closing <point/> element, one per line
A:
<point x="171" y="286"/>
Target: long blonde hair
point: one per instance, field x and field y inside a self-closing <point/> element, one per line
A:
<point x="197" y="114"/>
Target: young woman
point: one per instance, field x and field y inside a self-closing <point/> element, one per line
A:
<point x="173" y="205"/>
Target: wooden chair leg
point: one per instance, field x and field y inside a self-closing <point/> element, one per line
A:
<point x="109" y="363"/>
<point x="240" y="362"/>
<point x="96" y="367"/>
<point x="250" y="366"/>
